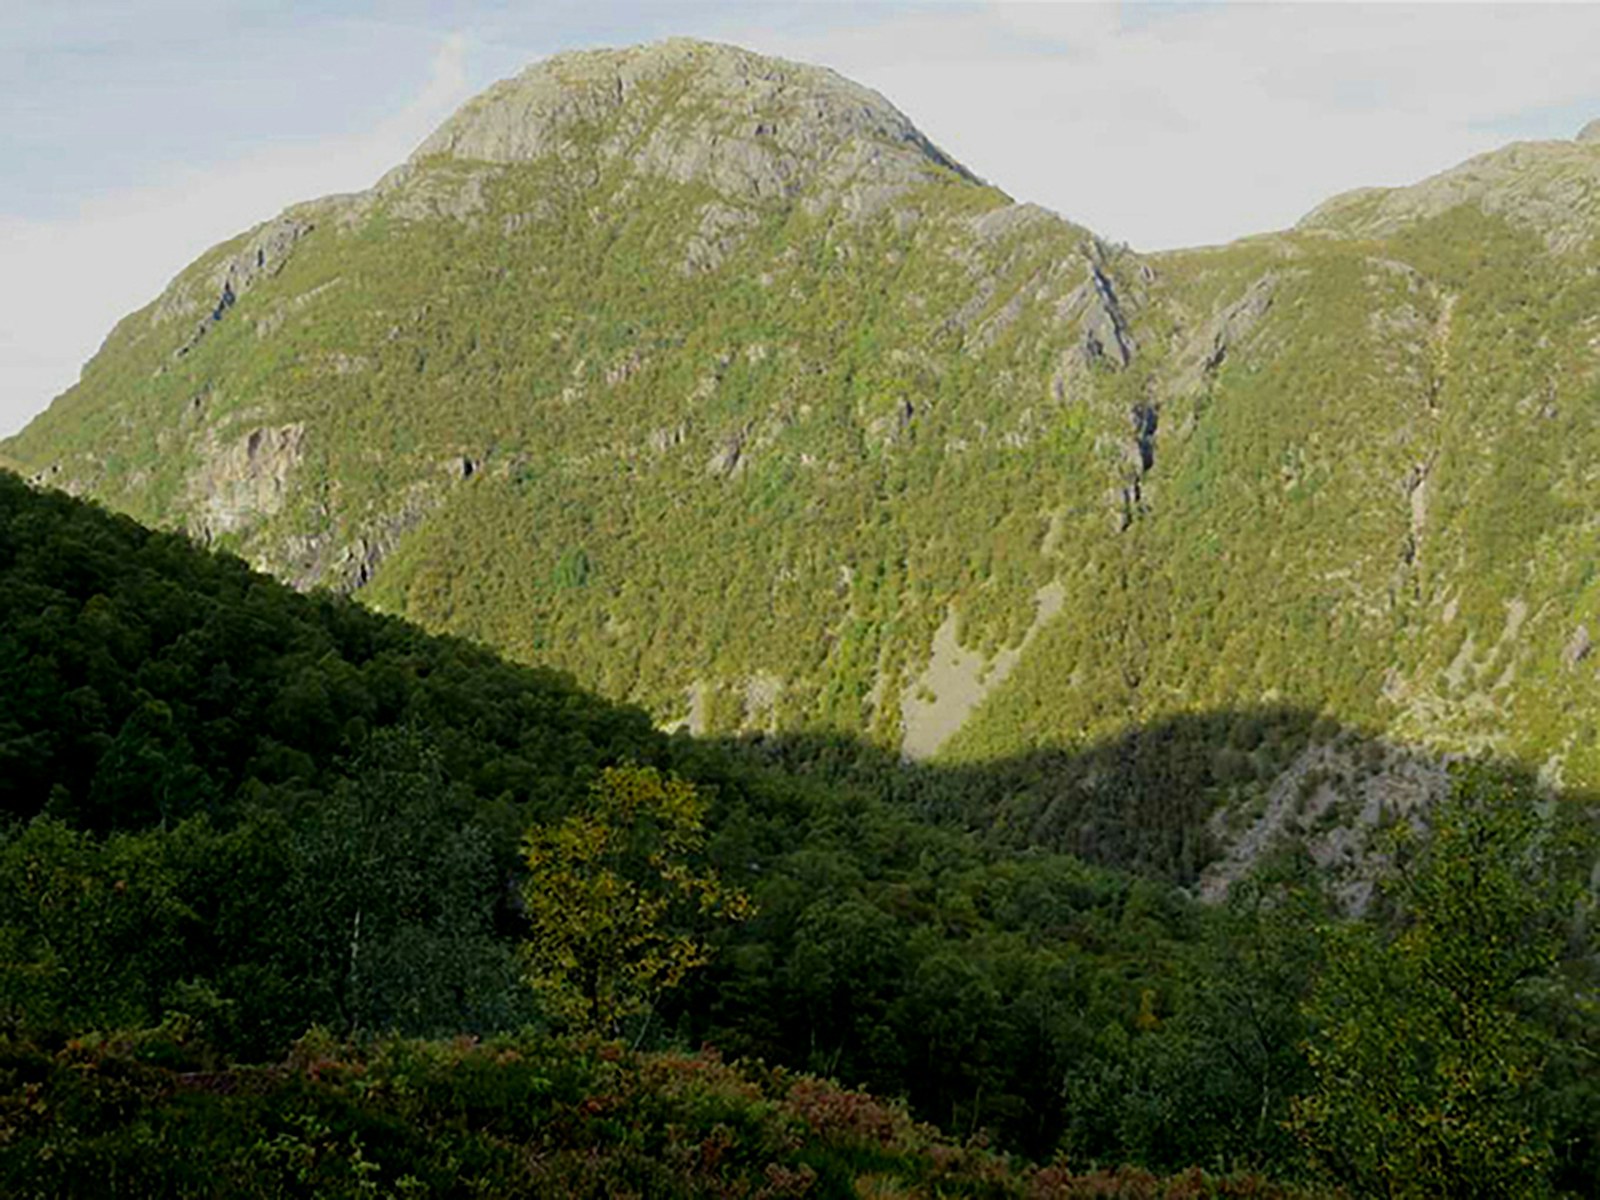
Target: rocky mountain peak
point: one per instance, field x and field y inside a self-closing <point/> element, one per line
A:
<point x="752" y="127"/>
<point x="1546" y="187"/>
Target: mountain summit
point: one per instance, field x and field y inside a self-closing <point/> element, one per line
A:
<point x="1547" y="187"/>
<point x="708" y="378"/>
<point x="752" y="128"/>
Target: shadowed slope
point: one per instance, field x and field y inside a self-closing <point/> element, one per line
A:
<point x="705" y="377"/>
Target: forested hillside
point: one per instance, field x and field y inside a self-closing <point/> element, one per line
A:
<point x="268" y="810"/>
<point x="237" y="812"/>
<point x="707" y="378"/>
<point x="1116" y="709"/>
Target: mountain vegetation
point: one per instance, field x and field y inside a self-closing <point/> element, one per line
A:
<point x="511" y="1117"/>
<point x="680" y="561"/>
<point x="707" y="378"/>
<point x="237" y="812"/>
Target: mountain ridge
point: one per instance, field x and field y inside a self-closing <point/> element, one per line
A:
<point x="1547" y="185"/>
<point x="776" y="432"/>
<point x="749" y="121"/>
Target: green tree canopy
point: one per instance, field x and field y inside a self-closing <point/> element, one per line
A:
<point x="1423" y="1055"/>
<point x="615" y="898"/>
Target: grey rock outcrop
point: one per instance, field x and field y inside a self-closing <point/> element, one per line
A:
<point x="264" y="254"/>
<point x="240" y="482"/>
<point x="755" y="129"/>
<point x="722" y="230"/>
<point x="728" y="457"/>
<point x="1577" y="648"/>
<point x="1202" y="353"/>
<point x="1097" y="311"/>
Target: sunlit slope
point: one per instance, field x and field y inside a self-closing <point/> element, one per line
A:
<point x="698" y="385"/>
<point x="707" y="377"/>
<point x="1378" y="502"/>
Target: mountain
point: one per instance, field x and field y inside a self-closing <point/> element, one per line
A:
<point x="706" y="377"/>
<point x="255" y="844"/>
<point x="230" y="813"/>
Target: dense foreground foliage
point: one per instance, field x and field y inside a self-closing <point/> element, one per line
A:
<point x="510" y="1117"/>
<point x="233" y="813"/>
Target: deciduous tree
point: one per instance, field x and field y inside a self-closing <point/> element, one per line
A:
<point x="1423" y="1058"/>
<point x="617" y="899"/>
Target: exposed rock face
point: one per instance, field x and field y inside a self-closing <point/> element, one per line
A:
<point x="1552" y="188"/>
<point x="1094" y="305"/>
<point x="754" y="129"/>
<point x="1204" y="353"/>
<point x="242" y="481"/>
<point x="1590" y="133"/>
<point x="729" y="457"/>
<point x="358" y="561"/>
<point x="1332" y="799"/>
<point x="263" y="255"/>
<point x="721" y="231"/>
<point x="413" y="195"/>
<point x="1416" y="488"/>
<point x="957" y="679"/>
<point x="1577" y="648"/>
<point x="345" y="557"/>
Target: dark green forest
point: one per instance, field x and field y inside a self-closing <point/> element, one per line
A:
<point x="259" y="843"/>
<point x="1044" y="719"/>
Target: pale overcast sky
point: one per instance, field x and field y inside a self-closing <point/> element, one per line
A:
<point x="136" y="133"/>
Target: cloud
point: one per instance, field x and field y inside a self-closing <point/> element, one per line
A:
<point x="445" y="90"/>
<point x="1166" y="126"/>
<point x="67" y="281"/>
<point x="1161" y="125"/>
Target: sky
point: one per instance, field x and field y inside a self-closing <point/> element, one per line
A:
<point x="134" y="134"/>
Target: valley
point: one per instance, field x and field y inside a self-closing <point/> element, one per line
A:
<point x="1067" y="640"/>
